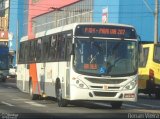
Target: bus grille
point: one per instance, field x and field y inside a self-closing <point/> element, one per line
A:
<point x="105" y="94"/>
<point x="105" y="81"/>
<point x="109" y="87"/>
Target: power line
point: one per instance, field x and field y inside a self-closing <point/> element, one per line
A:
<point x="127" y="12"/>
<point x="83" y="5"/>
<point x="98" y="17"/>
<point x="79" y="5"/>
<point x="147" y="5"/>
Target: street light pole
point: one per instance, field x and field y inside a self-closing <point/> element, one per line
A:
<point x="156" y="22"/>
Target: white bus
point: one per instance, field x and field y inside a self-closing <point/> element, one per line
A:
<point x="81" y="61"/>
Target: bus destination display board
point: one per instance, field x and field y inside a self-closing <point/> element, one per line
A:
<point x="105" y="31"/>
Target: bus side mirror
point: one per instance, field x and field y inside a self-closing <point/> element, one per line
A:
<point x="139" y="42"/>
<point x="140" y="50"/>
<point x="141" y="53"/>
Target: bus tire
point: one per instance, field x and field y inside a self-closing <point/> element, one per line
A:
<point x="150" y="87"/>
<point x="3" y="79"/>
<point x="116" y="104"/>
<point x="61" y="102"/>
<point x="157" y="94"/>
<point x="32" y="96"/>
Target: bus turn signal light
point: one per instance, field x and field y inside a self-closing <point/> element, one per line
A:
<point x="151" y="74"/>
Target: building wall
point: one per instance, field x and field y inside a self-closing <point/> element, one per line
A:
<point x="113" y="10"/>
<point x="12" y="25"/>
<point x="4" y="6"/>
<point x="129" y="12"/>
<point x="136" y="13"/>
<point x="26" y="13"/>
<point x="81" y="11"/>
<point x="39" y="7"/>
<point x="16" y="24"/>
<point x="119" y="11"/>
<point x="132" y="12"/>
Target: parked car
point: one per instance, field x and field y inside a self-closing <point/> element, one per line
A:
<point x="149" y="70"/>
<point x="12" y="71"/>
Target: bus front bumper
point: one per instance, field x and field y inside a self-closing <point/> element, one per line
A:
<point x="120" y="95"/>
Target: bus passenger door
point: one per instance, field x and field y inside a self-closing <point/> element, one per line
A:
<point x="26" y="77"/>
<point x="68" y="58"/>
<point x="42" y="78"/>
<point x="44" y="58"/>
<point x="25" y="70"/>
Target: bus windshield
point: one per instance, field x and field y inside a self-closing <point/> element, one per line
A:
<point x="105" y="57"/>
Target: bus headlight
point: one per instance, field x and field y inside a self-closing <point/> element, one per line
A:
<point x="131" y="85"/>
<point x="80" y="84"/>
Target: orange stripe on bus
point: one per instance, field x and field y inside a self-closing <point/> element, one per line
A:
<point x="33" y="74"/>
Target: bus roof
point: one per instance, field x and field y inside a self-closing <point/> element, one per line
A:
<point x="25" y="38"/>
<point x="69" y="27"/>
<point x="73" y="25"/>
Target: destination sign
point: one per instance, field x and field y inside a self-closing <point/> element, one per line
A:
<point x="105" y="31"/>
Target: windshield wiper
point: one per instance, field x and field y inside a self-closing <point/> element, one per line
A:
<point x="93" y="58"/>
<point x="112" y="65"/>
<point x="100" y="49"/>
<point x="117" y="45"/>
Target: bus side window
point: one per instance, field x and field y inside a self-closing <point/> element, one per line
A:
<point x="39" y="50"/>
<point x="32" y="52"/>
<point x="61" y="47"/>
<point x="68" y="49"/>
<point x="46" y="44"/>
<point x="21" y="54"/>
<point x="26" y="52"/>
<point x="52" y="48"/>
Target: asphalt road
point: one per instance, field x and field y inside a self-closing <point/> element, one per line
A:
<point x="15" y="104"/>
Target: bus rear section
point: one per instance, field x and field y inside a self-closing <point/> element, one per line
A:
<point x="149" y="71"/>
<point x="4" y="62"/>
<point x="81" y="61"/>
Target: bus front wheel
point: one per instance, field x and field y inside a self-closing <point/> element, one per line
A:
<point x="3" y="79"/>
<point x="157" y="94"/>
<point x="61" y="102"/>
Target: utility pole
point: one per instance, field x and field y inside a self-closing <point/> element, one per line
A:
<point x="17" y="35"/>
<point x="156" y="22"/>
